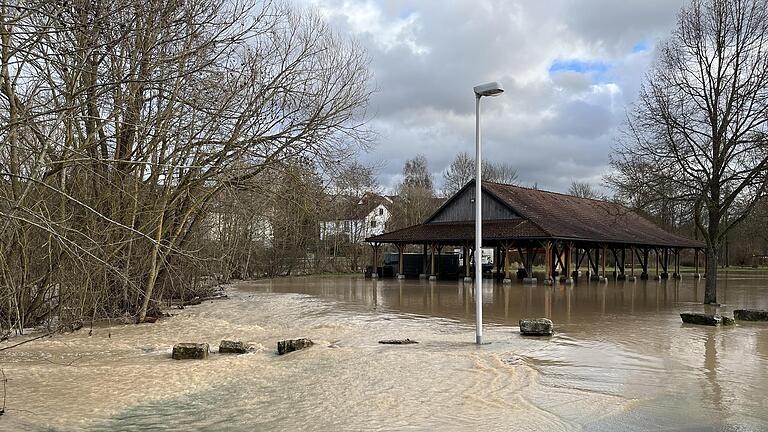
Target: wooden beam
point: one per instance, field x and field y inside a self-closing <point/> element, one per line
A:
<point x="604" y="254"/>
<point x="432" y="260"/>
<point x="507" y="274"/>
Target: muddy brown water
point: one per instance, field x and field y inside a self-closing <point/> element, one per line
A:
<point x="620" y="360"/>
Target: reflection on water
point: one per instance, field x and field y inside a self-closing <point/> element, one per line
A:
<point x="620" y="360"/>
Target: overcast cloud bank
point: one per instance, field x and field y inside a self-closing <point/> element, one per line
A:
<point x="570" y="68"/>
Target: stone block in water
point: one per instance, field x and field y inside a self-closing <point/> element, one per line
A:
<point x="232" y="347"/>
<point x="705" y="319"/>
<point x="290" y="345"/>
<point x="750" y="315"/>
<point x="184" y="351"/>
<point x="536" y="327"/>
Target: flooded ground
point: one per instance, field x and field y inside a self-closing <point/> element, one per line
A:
<point x="620" y="360"/>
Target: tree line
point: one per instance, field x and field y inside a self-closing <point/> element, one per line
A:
<point x="126" y="123"/>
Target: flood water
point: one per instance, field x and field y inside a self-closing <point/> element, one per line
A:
<point x="620" y="360"/>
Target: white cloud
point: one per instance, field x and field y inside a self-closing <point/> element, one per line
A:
<point x="366" y="18"/>
<point x="555" y="126"/>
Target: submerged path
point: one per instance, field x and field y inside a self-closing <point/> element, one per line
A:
<point x="620" y="360"/>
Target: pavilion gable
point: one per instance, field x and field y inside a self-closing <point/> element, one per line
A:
<point x="461" y="208"/>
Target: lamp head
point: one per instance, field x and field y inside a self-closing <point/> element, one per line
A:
<point x="489" y="89"/>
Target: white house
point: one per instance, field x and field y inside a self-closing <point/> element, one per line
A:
<point x="357" y="219"/>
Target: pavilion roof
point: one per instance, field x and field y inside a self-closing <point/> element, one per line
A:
<point x="546" y="215"/>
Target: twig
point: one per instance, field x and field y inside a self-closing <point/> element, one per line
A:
<point x="28" y="340"/>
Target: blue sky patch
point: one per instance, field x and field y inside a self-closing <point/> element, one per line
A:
<point x="580" y="66"/>
<point x="405" y="13"/>
<point x="641" y="46"/>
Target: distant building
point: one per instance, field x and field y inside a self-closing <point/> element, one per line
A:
<point x="356" y="219"/>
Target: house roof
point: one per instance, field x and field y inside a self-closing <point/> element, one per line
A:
<point x="546" y="215"/>
<point x="352" y="208"/>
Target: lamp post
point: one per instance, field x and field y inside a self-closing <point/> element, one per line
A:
<point x="489" y="89"/>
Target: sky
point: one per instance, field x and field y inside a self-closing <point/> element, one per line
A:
<point x="570" y="68"/>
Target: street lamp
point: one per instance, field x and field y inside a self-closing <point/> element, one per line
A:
<point x="489" y="89"/>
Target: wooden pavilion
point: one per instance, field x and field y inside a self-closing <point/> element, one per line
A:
<point x="569" y="232"/>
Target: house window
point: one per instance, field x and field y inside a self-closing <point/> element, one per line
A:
<point x="381" y="211"/>
<point x="373" y="224"/>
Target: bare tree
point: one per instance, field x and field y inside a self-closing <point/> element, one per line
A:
<point x="698" y="132"/>
<point x="584" y="190"/>
<point x="124" y="120"/>
<point x="356" y="179"/>
<point x="415" y="196"/>
<point x="416" y="173"/>
<point x="459" y="172"/>
<point x="462" y="170"/>
<point x="499" y="172"/>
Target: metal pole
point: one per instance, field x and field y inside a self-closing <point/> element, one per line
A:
<point x="478" y="229"/>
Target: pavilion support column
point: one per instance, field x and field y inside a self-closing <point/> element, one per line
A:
<point x="632" y="277"/>
<point x="432" y="273"/>
<point x="676" y="273"/>
<point x="581" y="253"/>
<point x="665" y="263"/>
<point x="549" y="266"/>
<point x="603" y="278"/>
<point x="439" y="254"/>
<point x="658" y="260"/>
<point x="507" y="275"/>
<point x="423" y="274"/>
<point x="400" y="258"/>
<point x="594" y="264"/>
<point x="375" y="259"/>
<point x="644" y="264"/>
<point x="529" y="277"/>
<point x="568" y="256"/>
<point x="621" y="259"/>
<point x="497" y="260"/>
<point x="576" y="264"/>
<point x="467" y="255"/>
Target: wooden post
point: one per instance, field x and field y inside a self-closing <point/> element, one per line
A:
<point x="375" y="267"/>
<point x="400" y="254"/>
<point x="632" y="254"/>
<point x="432" y="260"/>
<point x="506" y="262"/>
<point x="548" y="259"/>
<point x="657" y="262"/>
<point x="623" y="260"/>
<point x="439" y="252"/>
<point x="604" y="253"/>
<point x="467" y="254"/>
<point x="677" y="262"/>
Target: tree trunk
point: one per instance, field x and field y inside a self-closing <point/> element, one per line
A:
<point x="153" y="270"/>
<point x="710" y="287"/>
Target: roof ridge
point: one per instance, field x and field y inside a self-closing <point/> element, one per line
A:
<point x="559" y="193"/>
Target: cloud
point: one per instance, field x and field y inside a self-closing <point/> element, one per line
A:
<point x="367" y="19"/>
<point x="570" y="69"/>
